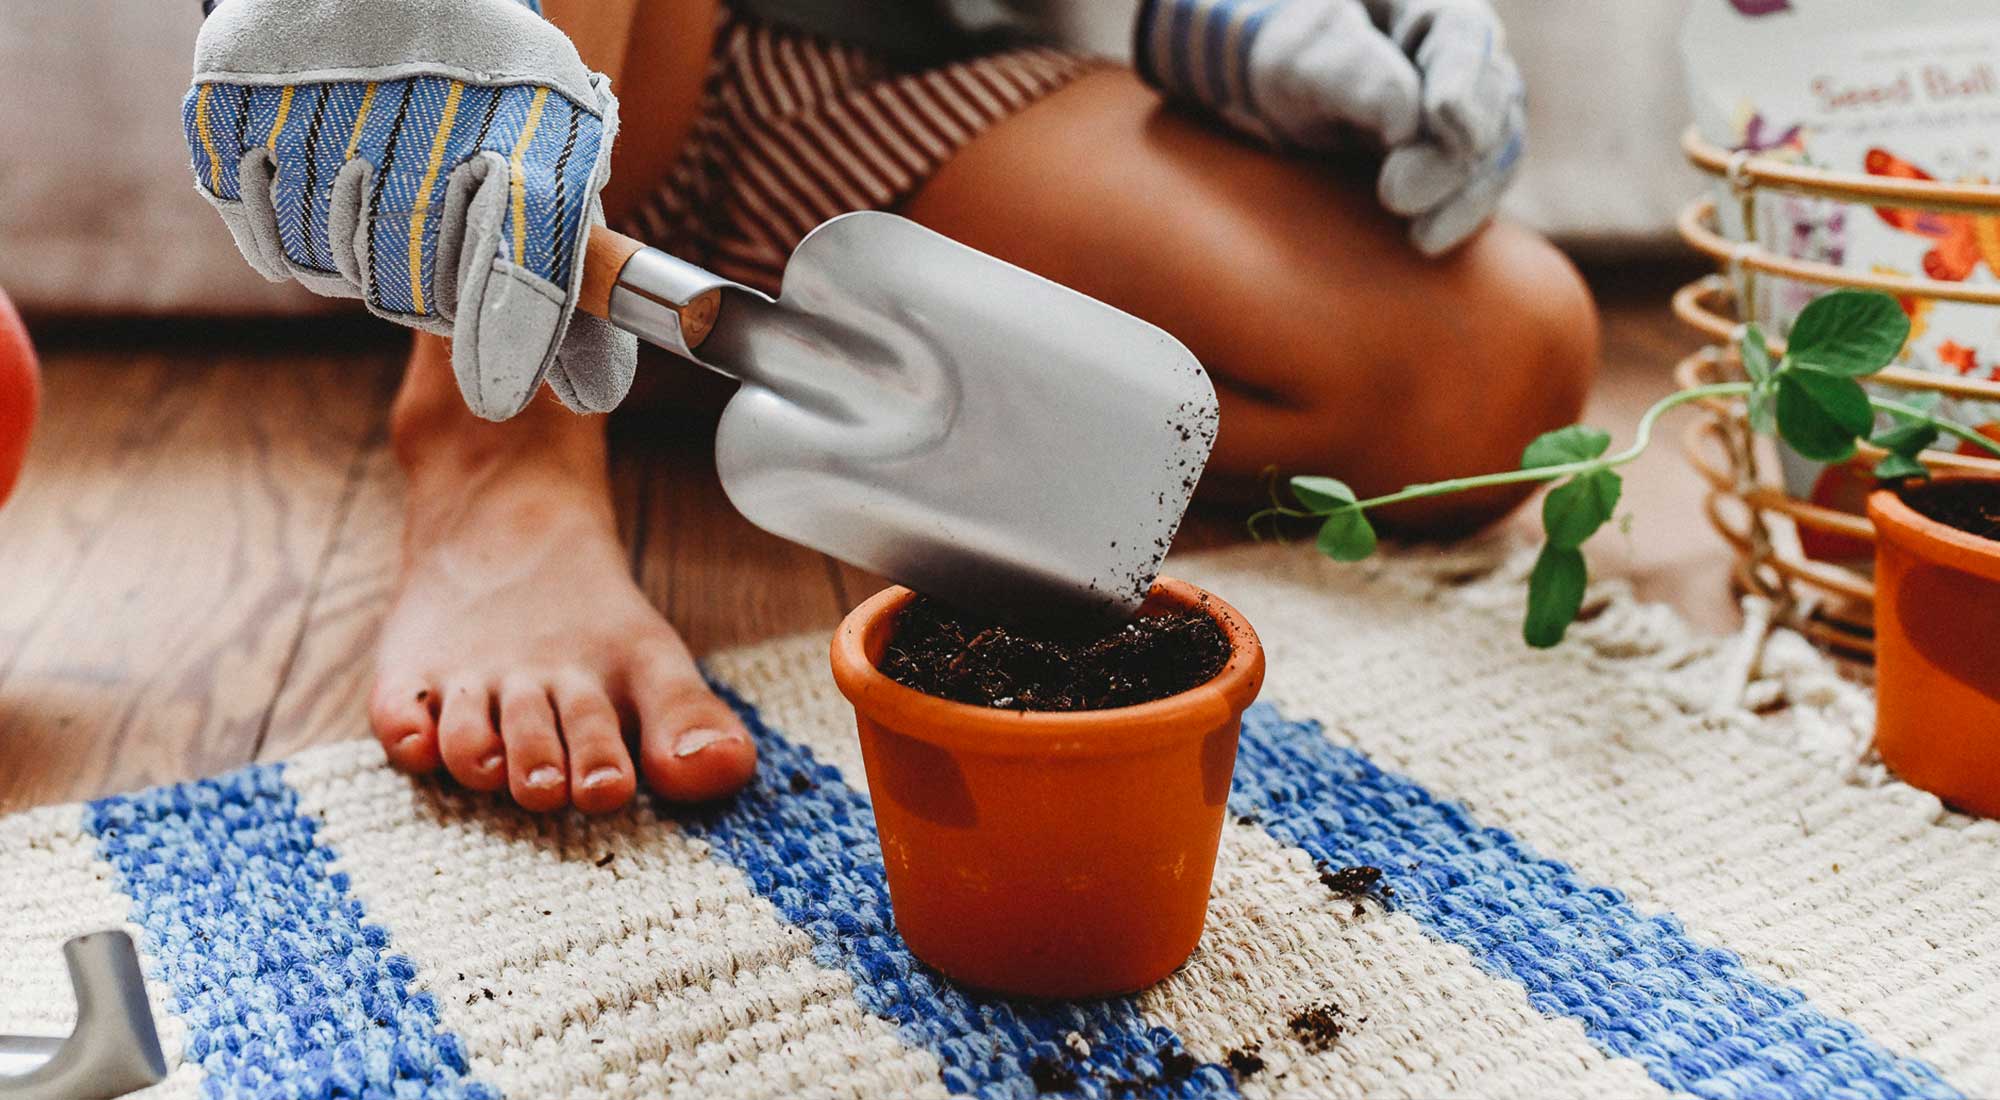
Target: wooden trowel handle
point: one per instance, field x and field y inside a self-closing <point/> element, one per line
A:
<point x="659" y="280"/>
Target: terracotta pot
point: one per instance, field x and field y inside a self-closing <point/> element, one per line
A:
<point x="1937" y="655"/>
<point x="1049" y="854"/>
<point x="19" y="391"/>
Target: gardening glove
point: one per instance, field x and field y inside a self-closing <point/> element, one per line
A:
<point x="1428" y="80"/>
<point x="439" y="159"/>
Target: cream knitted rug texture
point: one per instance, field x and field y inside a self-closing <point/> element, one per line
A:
<point x="1645" y="862"/>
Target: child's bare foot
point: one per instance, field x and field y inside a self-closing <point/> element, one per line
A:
<point x="519" y="653"/>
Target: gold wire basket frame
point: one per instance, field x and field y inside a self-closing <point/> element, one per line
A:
<point x="1829" y="602"/>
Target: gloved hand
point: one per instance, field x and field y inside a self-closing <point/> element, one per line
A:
<point x="1430" y="80"/>
<point x="439" y="159"/>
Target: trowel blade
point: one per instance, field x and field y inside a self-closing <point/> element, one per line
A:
<point x="963" y="426"/>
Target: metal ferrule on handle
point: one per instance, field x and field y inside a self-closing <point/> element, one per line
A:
<point x="663" y="301"/>
<point x="667" y="302"/>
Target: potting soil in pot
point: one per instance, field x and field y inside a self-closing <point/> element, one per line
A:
<point x="1970" y="506"/>
<point x="941" y="652"/>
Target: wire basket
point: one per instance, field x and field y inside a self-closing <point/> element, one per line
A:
<point x="1754" y="513"/>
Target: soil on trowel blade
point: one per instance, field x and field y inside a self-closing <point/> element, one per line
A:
<point x="941" y="652"/>
<point x="1971" y="505"/>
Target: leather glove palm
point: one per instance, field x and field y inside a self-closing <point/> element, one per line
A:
<point x="1429" y="80"/>
<point x="439" y="159"/>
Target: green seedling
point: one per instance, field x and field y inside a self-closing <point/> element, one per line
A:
<point x="1811" y="397"/>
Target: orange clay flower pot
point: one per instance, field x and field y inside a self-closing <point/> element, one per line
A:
<point x="1049" y="854"/>
<point x="1937" y="655"/>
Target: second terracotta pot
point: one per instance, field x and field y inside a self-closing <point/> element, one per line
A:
<point x="1049" y="854"/>
<point x="1937" y="655"/>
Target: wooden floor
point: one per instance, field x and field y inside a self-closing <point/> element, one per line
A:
<point x="200" y="550"/>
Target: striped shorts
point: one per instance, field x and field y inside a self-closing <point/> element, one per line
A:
<point x="794" y="129"/>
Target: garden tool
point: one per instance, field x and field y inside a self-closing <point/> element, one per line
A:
<point x="113" y="1050"/>
<point x="920" y="409"/>
<point x="908" y="405"/>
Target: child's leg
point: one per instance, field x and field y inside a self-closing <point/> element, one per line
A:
<point x="519" y="653"/>
<point x="1336" y="348"/>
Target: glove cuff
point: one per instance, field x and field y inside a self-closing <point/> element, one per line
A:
<point x="1198" y="51"/>
<point x="376" y="41"/>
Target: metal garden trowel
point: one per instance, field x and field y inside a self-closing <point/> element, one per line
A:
<point x="113" y="1049"/>
<point x="920" y="409"/>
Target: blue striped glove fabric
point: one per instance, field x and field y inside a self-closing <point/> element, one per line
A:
<point x="1430" y="81"/>
<point x="439" y="159"/>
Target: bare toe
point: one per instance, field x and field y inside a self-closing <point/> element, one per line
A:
<point x="691" y="745"/>
<point x="537" y="773"/>
<point x="466" y="738"/>
<point x="403" y="712"/>
<point x="600" y="770"/>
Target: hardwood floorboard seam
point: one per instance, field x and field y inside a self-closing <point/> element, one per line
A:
<point x="357" y="468"/>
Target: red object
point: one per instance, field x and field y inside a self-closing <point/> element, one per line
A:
<point x="1937" y="655"/>
<point x="1844" y="487"/>
<point x="1049" y="854"/>
<point x="1991" y="431"/>
<point x="20" y="392"/>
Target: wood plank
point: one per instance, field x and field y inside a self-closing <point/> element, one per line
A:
<point x="722" y="581"/>
<point x="100" y="415"/>
<point x="167" y="625"/>
<point x="324" y="696"/>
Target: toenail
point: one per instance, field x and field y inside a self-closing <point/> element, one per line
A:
<point x="490" y="762"/>
<point x="408" y="742"/>
<point x="693" y="741"/>
<point x="599" y="777"/>
<point x="545" y="776"/>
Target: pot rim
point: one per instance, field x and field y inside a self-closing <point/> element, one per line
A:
<point x="1117" y="730"/>
<point x="1910" y="530"/>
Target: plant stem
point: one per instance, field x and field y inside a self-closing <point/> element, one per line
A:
<point x="1642" y="439"/>
<point x="1946" y="426"/>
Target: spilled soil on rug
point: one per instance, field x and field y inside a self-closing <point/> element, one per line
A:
<point x="940" y="651"/>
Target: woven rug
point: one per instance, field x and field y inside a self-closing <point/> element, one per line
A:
<point x="1642" y="863"/>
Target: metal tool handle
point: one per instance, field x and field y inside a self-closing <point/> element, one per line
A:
<point x="665" y="301"/>
<point x="114" y="1049"/>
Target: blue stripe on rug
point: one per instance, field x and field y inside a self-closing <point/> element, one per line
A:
<point x="806" y="841"/>
<point x="1694" y="1016"/>
<point x="285" y="991"/>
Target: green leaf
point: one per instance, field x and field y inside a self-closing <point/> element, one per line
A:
<point x="1850" y="332"/>
<point x="1555" y="595"/>
<point x="1347" y="535"/>
<point x="1895" y="467"/>
<point x="1821" y="414"/>
<point x="1756" y="354"/>
<point x="1576" y="443"/>
<point x="1906" y="437"/>
<point x="1321" y="495"/>
<point x="1574" y="510"/>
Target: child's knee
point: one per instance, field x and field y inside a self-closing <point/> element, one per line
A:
<point x="1555" y="340"/>
<point x="1461" y="366"/>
